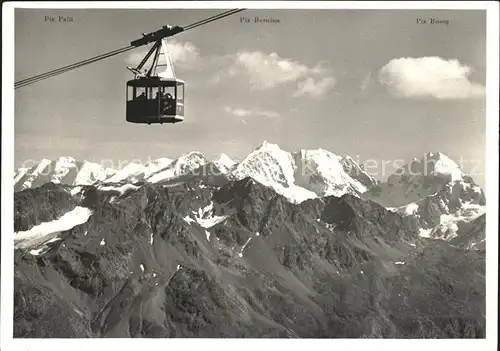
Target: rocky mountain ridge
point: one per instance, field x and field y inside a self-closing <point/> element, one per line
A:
<point x="298" y="176"/>
<point x="209" y="251"/>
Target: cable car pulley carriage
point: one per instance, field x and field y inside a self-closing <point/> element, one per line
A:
<point x="155" y="95"/>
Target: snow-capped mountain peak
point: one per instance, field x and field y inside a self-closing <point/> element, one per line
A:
<point x="190" y="161"/>
<point x="65" y="161"/>
<point x="433" y="195"/>
<point x="224" y="163"/>
<point x="267" y="164"/>
<point x="275" y="168"/>
<point x="432" y="164"/>
<point x="323" y="173"/>
<point x="28" y="178"/>
<point x="65" y="170"/>
<point x="266" y="145"/>
<point x="357" y="172"/>
<point x="39" y="169"/>
<point x="305" y="174"/>
<point x="418" y="179"/>
<point x="156" y="165"/>
<point x="184" y="164"/>
<point x="134" y="172"/>
<point x="299" y="176"/>
<point x="88" y="173"/>
<point x="152" y="249"/>
<point x="159" y="162"/>
<point x="129" y="172"/>
<point x="20" y="173"/>
<point x="443" y="165"/>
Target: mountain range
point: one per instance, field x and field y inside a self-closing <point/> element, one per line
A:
<point x="299" y="176"/>
<point x="279" y="244"/>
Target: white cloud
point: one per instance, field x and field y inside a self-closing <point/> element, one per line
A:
<point x="184" y="55"/>
<point x="241" y="112"/>
<point x="258" y="70"/>
<point x="429" y="77"/>
<point x="315" y="89"/>
<point x="266" y="71"/>
<point x="270" y="114"/>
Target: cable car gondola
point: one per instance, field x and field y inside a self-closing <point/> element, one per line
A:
<point x="152" y="96"/>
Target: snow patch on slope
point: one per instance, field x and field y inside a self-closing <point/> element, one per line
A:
<point x="424" y="233"/>
<point x="243" y="247"/>
<point x="121" y="189"/>
<point x="76" y="190"/>
<point x="45" y="232"/>
<point x="448" y="223"/>
<point x="410" y="209"/>
<point x="294" y="194"/>
<point x="210" y="222"/>
<point x="205" y="217"/>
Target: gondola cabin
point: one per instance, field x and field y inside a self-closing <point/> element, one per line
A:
<point x="155" y="100"/>
<point x="155" y="95"/>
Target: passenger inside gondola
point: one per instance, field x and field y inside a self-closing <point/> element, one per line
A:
<point x="167" y="102"/>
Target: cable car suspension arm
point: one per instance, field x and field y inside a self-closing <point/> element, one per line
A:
<point x="154" y="48"/>
<point x="155" y="59"/>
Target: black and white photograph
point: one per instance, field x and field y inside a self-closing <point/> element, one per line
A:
<point x="249" y="171"/>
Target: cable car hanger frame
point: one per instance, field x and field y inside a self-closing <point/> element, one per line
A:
<point x="156" y="49"/>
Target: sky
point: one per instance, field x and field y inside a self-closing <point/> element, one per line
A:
<point x="377" y="85"/>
